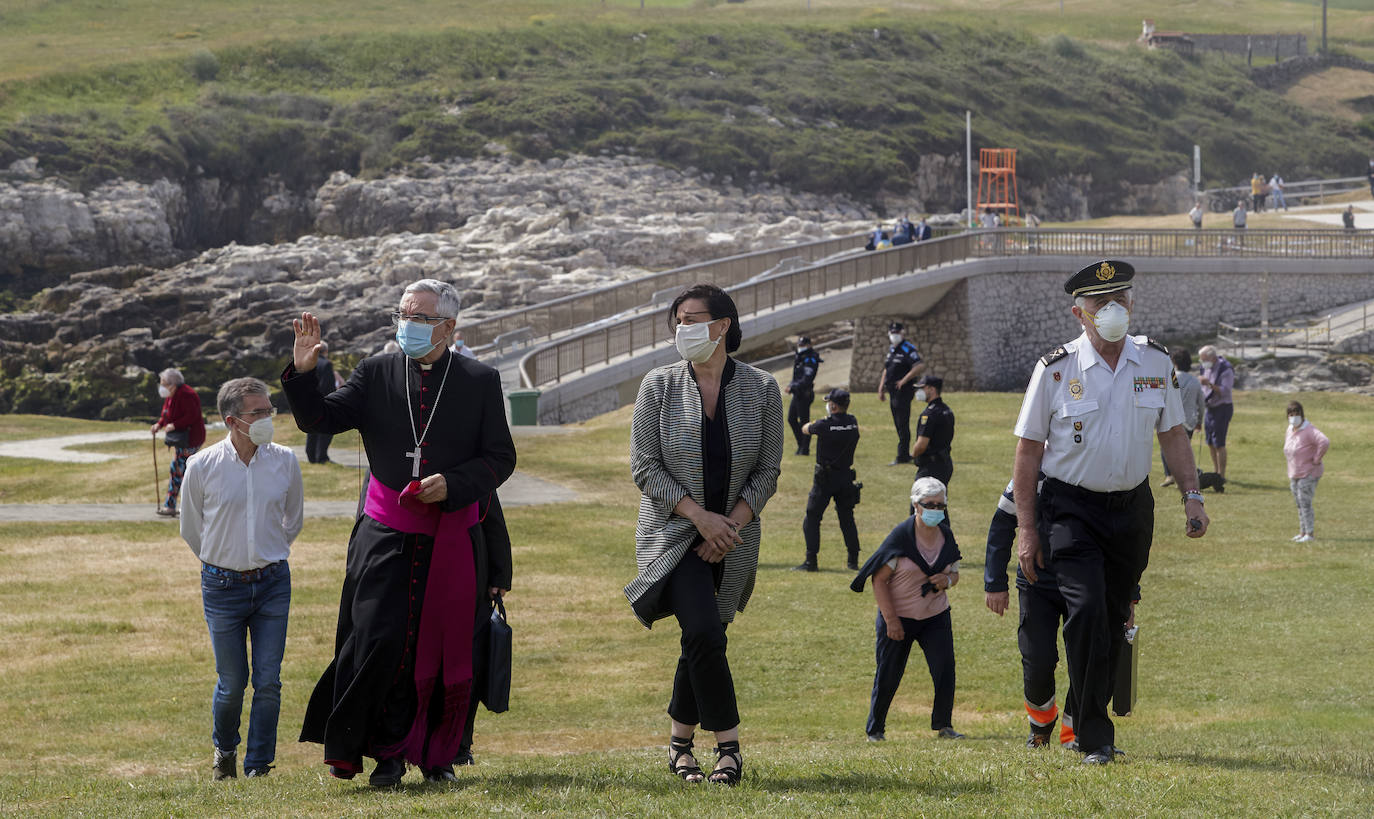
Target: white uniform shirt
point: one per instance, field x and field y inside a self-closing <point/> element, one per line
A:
<point x="1098" y="425"/>
<point x="242" y="516"/>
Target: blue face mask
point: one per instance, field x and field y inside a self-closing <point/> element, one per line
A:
<point x="932" y="517"/>
<point x="415" y="338"/>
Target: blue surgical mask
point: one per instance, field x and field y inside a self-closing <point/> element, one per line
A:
<point x="932" y="517"/>
<point x="415" y="338"/>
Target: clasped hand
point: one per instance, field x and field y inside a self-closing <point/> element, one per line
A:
<point x="720" y="535"/>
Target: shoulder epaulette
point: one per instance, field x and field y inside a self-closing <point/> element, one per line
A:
<point x="1053" y="355"/>
<point x="1152" y="343"/>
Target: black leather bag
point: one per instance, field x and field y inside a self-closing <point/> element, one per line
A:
<point x="1124" y="694"/>
<point x="497" y="696"/>
<point x="179" y="438"/>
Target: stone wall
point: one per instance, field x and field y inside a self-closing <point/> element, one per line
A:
<point x="987" y="332"/>
<point x="1290" y="71"/>
<point x="1361" y="343"/>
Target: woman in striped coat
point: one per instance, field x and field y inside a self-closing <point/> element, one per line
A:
<point x="706" y="453"/>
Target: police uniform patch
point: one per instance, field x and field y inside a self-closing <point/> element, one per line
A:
<point x="1075" y="388"/>
<point x="1053" y="355"/>
<point x="1173" y="374"/>
<point x="923" y="419"/>
<point x="1155" y="344"/>
<point x="1077" y="426"/>
<point x="1058" y="376"/>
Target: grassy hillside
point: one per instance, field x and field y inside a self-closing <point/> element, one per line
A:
<point x="822" y="107"/>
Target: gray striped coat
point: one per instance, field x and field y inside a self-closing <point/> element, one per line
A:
<point x="666" y="463"/>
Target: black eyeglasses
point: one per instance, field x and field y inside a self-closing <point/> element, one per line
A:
<point x="397" y="317"/>
<point x="940" y="506"/>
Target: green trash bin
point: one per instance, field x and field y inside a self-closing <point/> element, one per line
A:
<point x="524" y="408"/>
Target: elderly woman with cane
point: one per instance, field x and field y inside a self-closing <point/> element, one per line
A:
<point x="705" y="453"/>
<point x="185" y="425"/>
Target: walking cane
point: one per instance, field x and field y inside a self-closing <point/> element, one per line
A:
<point x="157" y="476"/>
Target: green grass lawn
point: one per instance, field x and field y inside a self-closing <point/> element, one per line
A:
<point x="1255" y="686"/>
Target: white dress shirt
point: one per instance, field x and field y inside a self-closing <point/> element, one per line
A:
<point x="1098" y="425"/>
<point x="242" y="516"/>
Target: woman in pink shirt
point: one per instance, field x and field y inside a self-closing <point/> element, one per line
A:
<point x="1304" y="446"/>
<point x="911" y="570"/>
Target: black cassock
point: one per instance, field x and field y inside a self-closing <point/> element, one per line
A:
<point x="366" y="700"/>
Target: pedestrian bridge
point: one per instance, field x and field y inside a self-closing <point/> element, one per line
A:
<point x="981" y="305"/>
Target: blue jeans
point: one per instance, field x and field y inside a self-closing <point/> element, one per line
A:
<point x="234" y="609"/>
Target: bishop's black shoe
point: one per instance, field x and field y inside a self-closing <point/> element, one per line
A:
<point x="464" y="756"/>
<point x="444" y="773"/>
<point x="388" y="773"/>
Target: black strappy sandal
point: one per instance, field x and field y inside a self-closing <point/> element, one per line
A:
<point x="728" y="776"/>
<point x="679" y="747"/>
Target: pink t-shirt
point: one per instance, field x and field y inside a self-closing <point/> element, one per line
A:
<point x="1304" y="448"/>
<point x="907" y="578"/>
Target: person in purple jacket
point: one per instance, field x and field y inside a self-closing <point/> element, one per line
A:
<point x="1217" y="379"/>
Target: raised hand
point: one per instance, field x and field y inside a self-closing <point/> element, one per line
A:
<point x="307" y="349"/>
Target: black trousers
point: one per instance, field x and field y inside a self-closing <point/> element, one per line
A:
<point x="317" y="447"/>
<point x="703" y="690"/>
<point x="798" y="413"/>
<point x="1037" y="635"/>
<point x="936" y="637"/>
<point x="900" y="403"/>
<point x="827" y="484"/>
<point x="1099" y="543"/>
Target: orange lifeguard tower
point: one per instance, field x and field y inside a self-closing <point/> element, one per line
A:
<point x="997" y="181"/>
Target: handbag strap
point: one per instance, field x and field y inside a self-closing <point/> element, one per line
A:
<point x="501" y="607"/>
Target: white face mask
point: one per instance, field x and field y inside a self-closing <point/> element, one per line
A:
<point x="1111" y="321"/>
<point x="694" y="342"/>
<point x="895" y="338"/>
<point x="164" y="391"/>
<point x="260" y="431"/>
<point x="1295" y="421"/>
<point x="921" y="395"/>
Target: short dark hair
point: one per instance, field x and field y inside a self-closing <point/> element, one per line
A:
<point x="1182" y="359"/>
<point x="718" y="303"/>
<point x="1296" y="406"/>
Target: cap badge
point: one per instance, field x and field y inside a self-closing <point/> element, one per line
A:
<point x="1106" y="272"/>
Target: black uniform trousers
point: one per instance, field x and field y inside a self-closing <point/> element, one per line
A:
<point x="1099" y="543"/>
<point x="1037" y="635"/>
<point x="703" y="690"/>
<point x="827" y="484"/>
<point x="936" y="638"/>
<point x="798" y="413"/>
<point x="900" y="403"/>
<point x="317" y="447"/>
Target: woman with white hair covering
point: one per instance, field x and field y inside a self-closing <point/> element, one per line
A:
<point x="911" y="571"/>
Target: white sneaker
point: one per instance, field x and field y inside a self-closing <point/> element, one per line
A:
<point x="1305" y="539"/>
<point x="1296" y="538"/>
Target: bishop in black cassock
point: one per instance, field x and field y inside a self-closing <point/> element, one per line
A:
<point x="388" y="694"/>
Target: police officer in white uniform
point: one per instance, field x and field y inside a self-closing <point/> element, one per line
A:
<point x="1089" y="413"/>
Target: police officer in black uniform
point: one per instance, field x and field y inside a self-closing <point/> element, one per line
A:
<point x="1089" y="419"/>
<point x="901" y="368"/>
<point x="839" y="435"/>
<point x="934" y="432"/>
<point x="803" y="391"/>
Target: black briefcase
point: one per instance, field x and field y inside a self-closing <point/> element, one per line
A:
<point x="497" y="695"/>
<point x="1123" y="696"/>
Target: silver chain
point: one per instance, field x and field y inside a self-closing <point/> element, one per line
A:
<point x="433" y="410"/>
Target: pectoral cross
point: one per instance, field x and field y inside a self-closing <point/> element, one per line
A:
<point x="414" y="462"/>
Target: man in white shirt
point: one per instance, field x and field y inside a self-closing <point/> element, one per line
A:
<point x="458" y="346"/>
<point x="242" y="505"/>
<point x="1090" y="413"/>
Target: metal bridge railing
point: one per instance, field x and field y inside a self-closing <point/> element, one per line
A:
<point x="609" y="340"/>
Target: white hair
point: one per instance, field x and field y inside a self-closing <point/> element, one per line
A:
<point x="172" y="376"/>
<point x="1207" y="350"/>
<point x="449" y="301"/>
<point x="927" y="487"/>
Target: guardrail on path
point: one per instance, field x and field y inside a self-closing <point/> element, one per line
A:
<point x="1319" y="335"/>
<point x="601" y="344"/>
<point x="1221" y="200"/>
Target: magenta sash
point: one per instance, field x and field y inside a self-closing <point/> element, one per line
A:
<point x="444" y="645"/>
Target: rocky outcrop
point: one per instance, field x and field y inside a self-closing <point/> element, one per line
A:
<point x="530" y="232"/>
